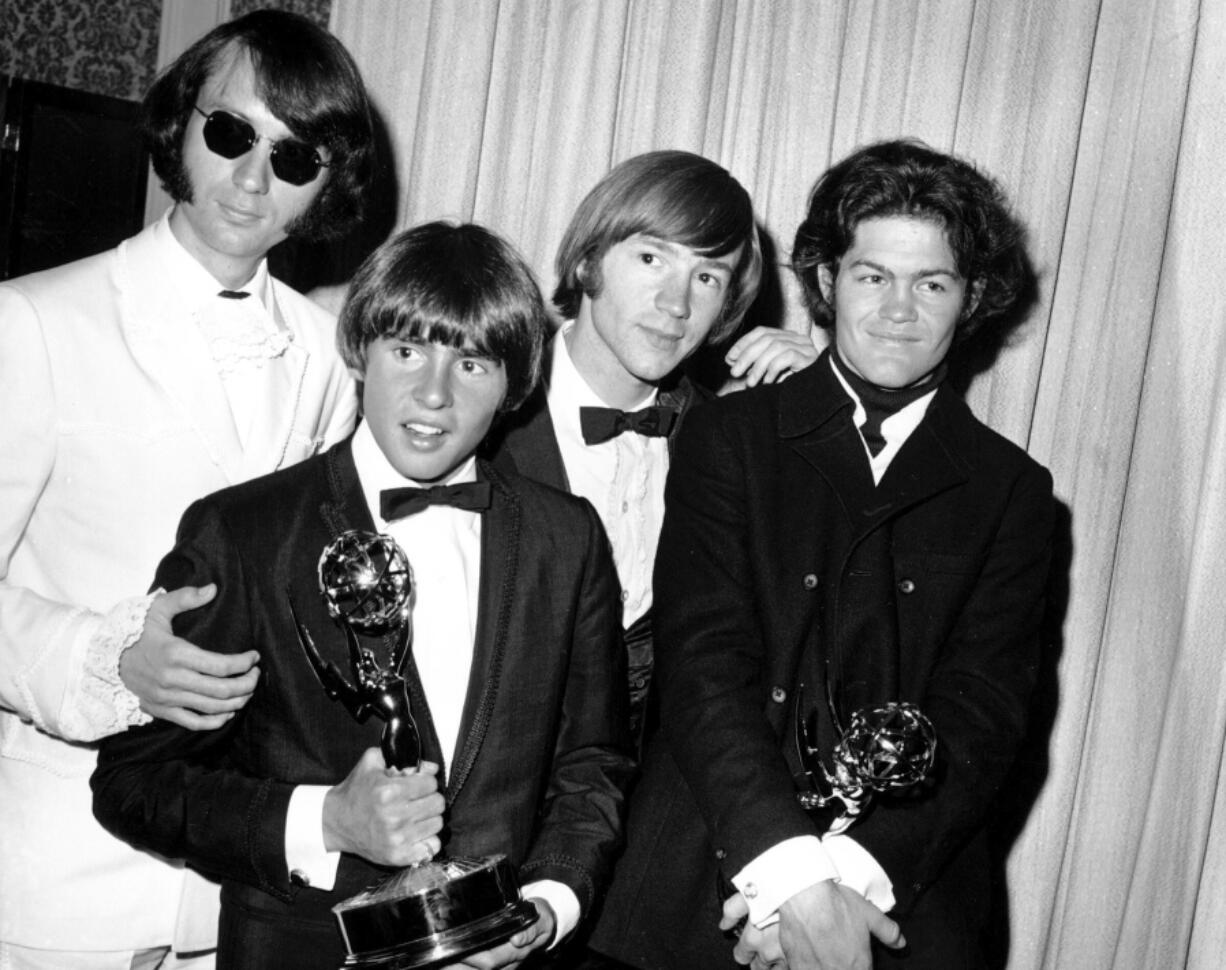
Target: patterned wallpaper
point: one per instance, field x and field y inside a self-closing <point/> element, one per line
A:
<point x="102" y="46"/>
<point x="92" y="45"/>
<point x="317" y="10"/>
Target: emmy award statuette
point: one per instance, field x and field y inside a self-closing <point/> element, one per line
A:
<point x="881" y="749"/>
<point x="437" y="912"/>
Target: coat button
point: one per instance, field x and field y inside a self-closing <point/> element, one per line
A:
<point x="810" y="581"/>
<point x="906" y="586"/>
<point x="778" y="695"/>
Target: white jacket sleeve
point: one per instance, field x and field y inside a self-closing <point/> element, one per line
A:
<point x="58" y="661"/>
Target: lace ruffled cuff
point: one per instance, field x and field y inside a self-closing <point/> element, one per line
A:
<point x="108" y="703"/>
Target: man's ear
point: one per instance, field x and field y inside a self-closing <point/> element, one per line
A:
<point x="582" y="272"/>
<point x="357" y="373"/>
<point x="825" y="281"/>
<point x="974" y="293"/>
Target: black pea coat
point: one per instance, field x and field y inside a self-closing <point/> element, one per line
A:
<point x="776" y="550"/>
<point x="543" y="758"/>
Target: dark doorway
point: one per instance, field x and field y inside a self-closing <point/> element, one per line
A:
<point x="72" y="174"/>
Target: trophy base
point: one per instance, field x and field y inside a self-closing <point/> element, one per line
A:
<point x="433" y="915"/>
<point x="448" y="946"/>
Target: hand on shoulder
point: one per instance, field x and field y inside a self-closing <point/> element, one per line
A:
<point x="178" y="681"/>
<point x="767" y="355"/>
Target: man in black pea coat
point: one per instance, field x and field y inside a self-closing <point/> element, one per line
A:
<point x="850" y="537"/>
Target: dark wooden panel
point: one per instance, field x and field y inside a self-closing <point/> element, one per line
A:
<point x="72" y="175"/>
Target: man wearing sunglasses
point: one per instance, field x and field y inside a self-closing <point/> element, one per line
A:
<point x="132" y="383"/>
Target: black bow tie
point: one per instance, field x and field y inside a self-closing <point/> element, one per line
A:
<point x="396" y="503"/>
<point x="233" y="294"/>
<point x="601" y="424"/>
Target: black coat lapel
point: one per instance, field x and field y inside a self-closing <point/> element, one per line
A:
<point x="500" y="541"/>
<point x="525" y="442"/>
<point x="936" y="457"/>
<point x="682" y="394"/>
<point x="346" y="509"/>
<point x="814" y="418"/>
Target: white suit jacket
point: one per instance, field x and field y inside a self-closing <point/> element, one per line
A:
<point x="112" y="420"/>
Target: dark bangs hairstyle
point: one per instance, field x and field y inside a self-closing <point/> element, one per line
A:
<point x="907" y="178"/>
<point x="306" y="78"/>
<point x="675" y="196"/>
<point x="457" y="285"/>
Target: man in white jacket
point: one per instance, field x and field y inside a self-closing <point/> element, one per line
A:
<point x="132" y="383"/>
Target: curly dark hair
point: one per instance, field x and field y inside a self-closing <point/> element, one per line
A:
<point x="907" y="178"/>
<point x="676" y="196"/>
<point x="307" y="79"/>
<point x="459" y="285"/>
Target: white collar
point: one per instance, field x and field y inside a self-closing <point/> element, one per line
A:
<point x="376" y="473"/>
<point x="195" y="284"/>
<point x="568" y="390"/>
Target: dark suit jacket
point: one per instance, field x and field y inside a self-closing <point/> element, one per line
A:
<point x="528" y="444"/>
<point x="777" y="554"/>
<point x="543" y="760"/>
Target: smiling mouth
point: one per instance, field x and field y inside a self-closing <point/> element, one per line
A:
<point x="424" y="430"/>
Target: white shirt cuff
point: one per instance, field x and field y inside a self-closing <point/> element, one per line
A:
<point x="564" y="902"/>
<point x="858" y="870"/>
<point x="305" y="856"/>
<point x="780" y="873"/>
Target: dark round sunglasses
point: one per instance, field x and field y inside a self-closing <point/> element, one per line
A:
<point x="293" y="160"/>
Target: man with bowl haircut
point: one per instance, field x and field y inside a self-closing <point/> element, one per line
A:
<point x="660" y="257"/>
<point x="845" y="540"/>
<point x="517" y="674"/>
<point x="132" y="383"/>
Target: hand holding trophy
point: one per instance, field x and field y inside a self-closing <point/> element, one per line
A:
<point x="430" y="914"/>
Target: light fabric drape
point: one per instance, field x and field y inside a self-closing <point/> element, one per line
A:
<point x="1103" y="119"/>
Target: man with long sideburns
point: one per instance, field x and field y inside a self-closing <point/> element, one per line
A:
<point x="132" y="383"/>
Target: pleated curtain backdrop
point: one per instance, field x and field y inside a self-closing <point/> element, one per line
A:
<point x="1103" y="119"/>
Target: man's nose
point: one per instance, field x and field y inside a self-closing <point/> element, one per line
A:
<point x="253" y="173"/>
<point x="434" y="389"/>
<point x="899" y="305"/>
<point x="673" y="296"/>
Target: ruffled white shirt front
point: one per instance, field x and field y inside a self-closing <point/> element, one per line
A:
<point x="623" y="478"/>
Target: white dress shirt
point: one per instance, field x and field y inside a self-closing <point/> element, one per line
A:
<point x="247" y="343"/>
<point x="623" y="477"/>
